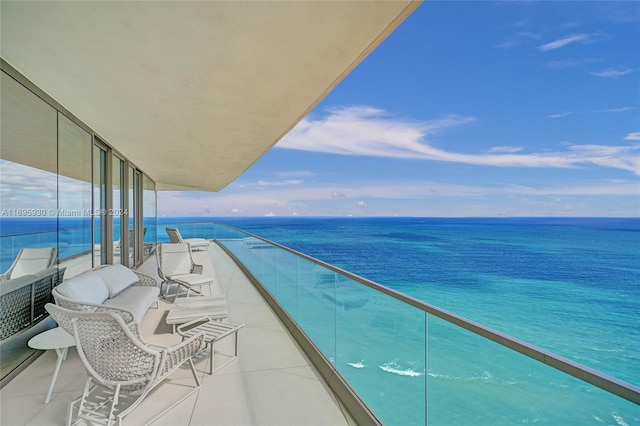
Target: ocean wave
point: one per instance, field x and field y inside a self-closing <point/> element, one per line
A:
<point x="358" y="364"/>
<point x="394" y="368"/>
<point x="485" y="376"/>
<point x="619" y="419"/>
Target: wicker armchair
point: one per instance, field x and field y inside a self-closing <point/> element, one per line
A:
<point x="176" y="266"/>
<point x="122" y="369"/>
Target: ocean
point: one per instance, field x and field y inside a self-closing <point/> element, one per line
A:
<point x="568" y="285"/>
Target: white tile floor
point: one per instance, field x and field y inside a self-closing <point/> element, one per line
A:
<point x="271" y="382"/>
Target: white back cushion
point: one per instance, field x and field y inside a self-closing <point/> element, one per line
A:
<point x="86" y="287"/>
<point x="117" y="278"/>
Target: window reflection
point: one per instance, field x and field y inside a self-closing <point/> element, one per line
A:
<point x="74" y="196"/>
<point x="66" y="203"/>
<point x="28" y="223"/>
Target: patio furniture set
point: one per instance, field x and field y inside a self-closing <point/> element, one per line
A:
<point x="99" y="311"/>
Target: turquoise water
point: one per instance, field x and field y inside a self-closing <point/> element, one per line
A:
<point x="571" y="286"/>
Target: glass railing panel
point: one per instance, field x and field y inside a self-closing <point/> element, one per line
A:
<point x="314" y="314"/>
<point x="189" y="230"/>
<point x="288" y="286"/>
<point x="381" y="351"/>
<point x="260" y="258"/>
<point x="236" y="245"/>
<point x="473" y="380"/>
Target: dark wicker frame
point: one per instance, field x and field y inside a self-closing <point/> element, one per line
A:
<point x="22" y="300"/>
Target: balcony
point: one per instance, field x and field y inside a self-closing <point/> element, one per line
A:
<point x="272" y="381"/>
<point x="316" y="333"/>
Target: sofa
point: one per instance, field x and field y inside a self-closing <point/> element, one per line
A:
<point x="109" y="288"/>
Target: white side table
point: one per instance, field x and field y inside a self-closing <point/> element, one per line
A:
<point x="58" y="339"/>
<point x="214" y="331"/>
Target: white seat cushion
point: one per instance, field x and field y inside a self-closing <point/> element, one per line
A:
<point x="136" y="299"/>
<point x="193" y="279"/>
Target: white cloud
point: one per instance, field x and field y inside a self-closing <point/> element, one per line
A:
<point x="611" y="73"/>
<point x="623" y="109"/>
<point x="289" y="182"/>
<point x="568" y="113"/>
<point x="569" y="63"/>
<point x="557" y="44"/>
<point x="414" y="196"/>
<point x="633" y="136"/>
<point x="604" y="188"/>
<point x="291" y="174"/>
<point x="517" y="39"/>
<point x="366" y="131"/>
<point x="504" y="148"/>
<point x="28" y="187"/>
<point x="560" y="115"/>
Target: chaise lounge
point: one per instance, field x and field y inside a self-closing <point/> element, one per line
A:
<point x="176" y="266"/>
<point x="29" y="261"/>
<point x="196" y="244"/>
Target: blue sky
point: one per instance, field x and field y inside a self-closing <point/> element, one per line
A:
<point x="467" y="109"/>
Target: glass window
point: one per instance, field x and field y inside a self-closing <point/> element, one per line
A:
<point x="149" y="215"/>
<point x="120" y="236"/>
<point x="132" y="208"/>
<point x="99" y="205"/>
<point x="28" y="201"/>
<point x="74" y="196"/>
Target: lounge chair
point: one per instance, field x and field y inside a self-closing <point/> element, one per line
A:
<point x="30" y="261"/>
<point x="122" y="369"/>
<point x="117" y="244"/>
<point x="195" y="243"/>
<point x="176" y="266"/>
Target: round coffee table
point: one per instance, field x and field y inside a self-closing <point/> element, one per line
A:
<point x="58" y="339"/>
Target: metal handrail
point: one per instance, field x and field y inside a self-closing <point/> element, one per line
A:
<point x="596" y="378"/>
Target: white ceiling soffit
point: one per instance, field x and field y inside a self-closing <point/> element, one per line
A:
<point x="193" y="92"/>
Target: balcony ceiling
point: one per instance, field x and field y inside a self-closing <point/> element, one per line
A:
<point x="192" y="92"/>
